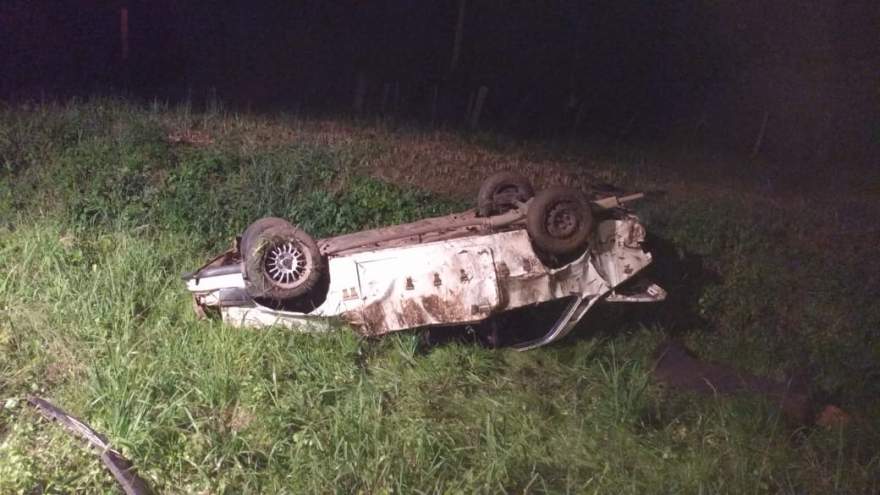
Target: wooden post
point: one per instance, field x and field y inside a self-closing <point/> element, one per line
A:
<point x="577" y="119"/>
<point x="386" y="93"/>
<point x="456" y="46"/>
<point x="434" y="105"/>
<point x="123" y="33"/>
<point x="478" y="106"/>
<point x="124" y="70"/>
<point x="760" y="139"/>
<point x="470" y="107"/>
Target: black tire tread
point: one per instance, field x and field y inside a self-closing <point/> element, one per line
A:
<point x="485" y="199"/>
<point x="256" y="228"/>
<point x="536" y="218"/>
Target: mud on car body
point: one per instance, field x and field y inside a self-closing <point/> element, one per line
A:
<point x="516" y="249"/>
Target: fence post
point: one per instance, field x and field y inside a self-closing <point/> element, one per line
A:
<point x="478" y="106"/>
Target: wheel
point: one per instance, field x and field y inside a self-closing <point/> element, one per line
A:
<point x="282" y="263"/>
<point x="559" y="221"/>
<point x="255" y="229"/>
<point x="500" y="192"/>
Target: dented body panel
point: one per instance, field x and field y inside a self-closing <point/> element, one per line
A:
<point x="463" y="279"/>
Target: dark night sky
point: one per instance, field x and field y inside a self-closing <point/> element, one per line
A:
<point x="626" y="70"/>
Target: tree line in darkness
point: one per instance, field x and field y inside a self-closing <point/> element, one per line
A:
<point x="787" y="79"/>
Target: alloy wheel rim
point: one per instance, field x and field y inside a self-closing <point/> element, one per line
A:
<point x="285" y="264"/>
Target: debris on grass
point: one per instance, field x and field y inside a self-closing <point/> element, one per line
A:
<point x="121" y="468"/>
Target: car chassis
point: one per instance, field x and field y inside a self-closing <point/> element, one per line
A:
<point x="458" y="269"/>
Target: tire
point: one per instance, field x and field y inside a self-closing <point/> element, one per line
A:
<point x="500" y="192"/>
<point x="256" y="228"/>
<point x="282" y="263"/>
<point x="559" y="221"/>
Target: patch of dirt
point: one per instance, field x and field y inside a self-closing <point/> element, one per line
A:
<point x="677" y="367"/>
<point x="238" y="418"/>
<point x="444" y="164"/>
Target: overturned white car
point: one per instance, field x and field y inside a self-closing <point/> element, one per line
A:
<point x="516" y="249"/>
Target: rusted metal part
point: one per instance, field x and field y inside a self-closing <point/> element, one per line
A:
<point x="651" y="293"/>
<point x="121" y="468"/>
<point x="639" y="290"/>
<point x="617" y="201"/>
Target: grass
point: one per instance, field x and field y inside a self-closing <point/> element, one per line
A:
<point x="99" y="214"/>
